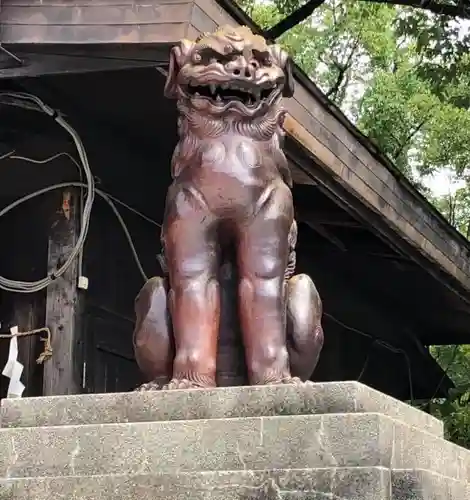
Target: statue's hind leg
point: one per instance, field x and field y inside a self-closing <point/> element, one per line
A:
<point x="153" y="335"/>
<point x="304" y="329"/>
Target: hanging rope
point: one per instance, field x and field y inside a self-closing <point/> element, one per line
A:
<point x="47" y="353"/>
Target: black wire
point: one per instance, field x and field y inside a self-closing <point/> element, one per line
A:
<point x="381" y="343"/>
<point x="366" y="363"/>
<point x="11" y="55"/>
<point x="446" y="371"/>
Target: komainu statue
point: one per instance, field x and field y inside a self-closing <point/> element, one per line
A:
<point x="230" y="310"/>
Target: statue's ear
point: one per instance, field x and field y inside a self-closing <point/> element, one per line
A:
<point x="178" y="55"/>
<point x="282" y="59"/>
<point x="289" y="83"/>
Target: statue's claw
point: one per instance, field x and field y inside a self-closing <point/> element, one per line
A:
<point x="184" y="383"/>
<point x="149" y="386"/>
<point x="288" y="381"/>
<point x="296" y="381"/>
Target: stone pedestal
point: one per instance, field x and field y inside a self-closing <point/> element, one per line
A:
<point x="340" y="441"/>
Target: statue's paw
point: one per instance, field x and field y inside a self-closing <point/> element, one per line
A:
<point x="184" y="383"/>
<point x="285" y="380"/>
<point x="149" y="386"/>
<point x="296" y="381"/>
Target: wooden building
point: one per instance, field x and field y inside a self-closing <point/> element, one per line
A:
<point x="393" y="274"/>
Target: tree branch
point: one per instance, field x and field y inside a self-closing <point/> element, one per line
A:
<point x="293" y="19"/>
<point x="460" y="9"/>
<point x="342" y="70"/>
<point x="409" y="137"/>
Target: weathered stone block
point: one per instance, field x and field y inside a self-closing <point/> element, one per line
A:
<point x="334" y="440"/>
<point x="421" y="484"/>
<point x="330" y="397"/>
<point x="303" y="441"/>
<point x="314" y="484"/>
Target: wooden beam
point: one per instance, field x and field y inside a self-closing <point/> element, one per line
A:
<point x="326" y="218"/>
<point x="300" y="177"/>
<point x="37" y="64"/>
<point x="62" y="373"/>
<point x="318" y="228"/>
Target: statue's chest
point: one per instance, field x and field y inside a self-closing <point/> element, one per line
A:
<point x="238" y="160"/>
<point x="237" y="157"/>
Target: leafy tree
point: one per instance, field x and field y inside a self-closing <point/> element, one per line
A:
<point x="396" y="112"/>
<point x="455" y="206"/>
<point x="443" y="45"/>
<point x="368" y="60"/>
<point x="455" y="410"/>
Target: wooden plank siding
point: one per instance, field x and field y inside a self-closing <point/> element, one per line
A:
<point x="332" y="145"/>
<point x="88" y="21"/>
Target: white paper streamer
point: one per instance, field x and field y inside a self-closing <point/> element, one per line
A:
<point x="14" y="369"/>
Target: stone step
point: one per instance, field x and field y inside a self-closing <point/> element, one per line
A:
<point x="301" y="441"/>
<point x="261" y="401"/>
<point x="360" y="483"/>
<point x="371" y="483"/>
<point x="419" y="484"/>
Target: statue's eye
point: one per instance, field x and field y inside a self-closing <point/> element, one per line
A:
<point x="197" y="58"/>
<point x="263" y="57"/>
<point x="210" y="56"/>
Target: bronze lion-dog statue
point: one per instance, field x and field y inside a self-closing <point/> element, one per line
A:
<point x="230" y="310"/>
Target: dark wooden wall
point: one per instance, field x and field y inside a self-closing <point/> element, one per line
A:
<point x="23" y="256"/>
<point x="104" y="313"/>
<point x="108" y="317"/>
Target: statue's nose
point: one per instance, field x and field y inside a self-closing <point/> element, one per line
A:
<point x="242" y="68"/>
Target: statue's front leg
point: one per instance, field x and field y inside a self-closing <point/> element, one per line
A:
<point x="192" y="258"/>
<point x="262" y="258"/>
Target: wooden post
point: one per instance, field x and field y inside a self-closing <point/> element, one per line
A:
<point x="62" y="373"/>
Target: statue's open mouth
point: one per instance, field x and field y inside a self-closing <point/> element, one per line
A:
<point x="223" y="93"/>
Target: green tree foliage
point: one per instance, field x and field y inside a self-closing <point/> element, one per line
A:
<point x="455" y="410"/>
<point x="456" y="207"/>
<point x="443" y="48"/>
<point x="381" y="66"/>
<point x="403" y="77"/>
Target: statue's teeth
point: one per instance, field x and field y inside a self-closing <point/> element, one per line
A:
<point x="219" y="99"/>
<point x="213" y="87"/>
<point x="225" y="86"/>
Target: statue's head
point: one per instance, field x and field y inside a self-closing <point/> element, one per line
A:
<point x="229" y="71"/>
